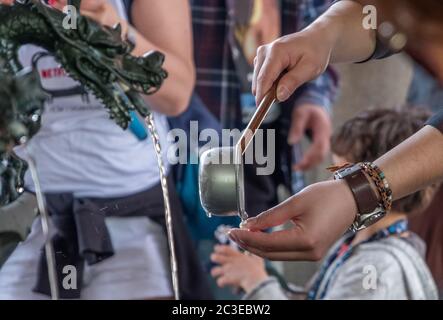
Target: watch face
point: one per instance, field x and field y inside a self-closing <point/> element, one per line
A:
<point x="342" y="173"/>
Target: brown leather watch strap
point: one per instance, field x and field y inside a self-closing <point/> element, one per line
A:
<point x="364" y="195"/>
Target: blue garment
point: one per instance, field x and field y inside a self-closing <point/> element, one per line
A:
<point x="186" y="175"/>
<point x="425" y="90"/>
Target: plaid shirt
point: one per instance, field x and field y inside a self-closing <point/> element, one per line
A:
<point x="217" y="82"/>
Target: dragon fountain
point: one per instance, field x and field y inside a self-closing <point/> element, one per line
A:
<point x="96" y="56"/>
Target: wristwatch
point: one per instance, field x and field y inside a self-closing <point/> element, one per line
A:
<point x="369" y="208"/>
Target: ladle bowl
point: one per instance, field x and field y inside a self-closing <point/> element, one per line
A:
<point x="221" y="177"/>
<point x="221" y="182"/>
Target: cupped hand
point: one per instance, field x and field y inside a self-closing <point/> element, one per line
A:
<point x="318" y="216"/>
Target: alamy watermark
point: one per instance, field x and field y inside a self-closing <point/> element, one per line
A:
<point x="70" y="20"/>
<point x="371" y="277"/>
<point x="370" y="20"/>
<point x="186" y="147"/>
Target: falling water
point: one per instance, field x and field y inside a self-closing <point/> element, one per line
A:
<point x="168" y="217"/>
<point x="49" y="250"/>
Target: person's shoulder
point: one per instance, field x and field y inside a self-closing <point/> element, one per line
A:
<point x="388" y="256"/>
<point x="375" y="254"/>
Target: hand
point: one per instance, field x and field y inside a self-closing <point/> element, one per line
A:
<point x="319" y="215"/>
<point x="316" y="119"/>
<point x="237" y="269"/>
<point x="265" y="27"/>
<point x="7" y="2"/>
<point x="303" y="56"/>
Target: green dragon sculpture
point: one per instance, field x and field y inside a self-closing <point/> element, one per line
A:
<point x="21" y="105"/>
<point x="95" y="55"/>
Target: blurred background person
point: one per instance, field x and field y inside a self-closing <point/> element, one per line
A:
<point x="227" y="34"/>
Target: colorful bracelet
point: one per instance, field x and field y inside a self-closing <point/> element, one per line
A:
<point x="381" y="183"/>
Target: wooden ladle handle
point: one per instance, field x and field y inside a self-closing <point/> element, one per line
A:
<point x="257" y="119"/>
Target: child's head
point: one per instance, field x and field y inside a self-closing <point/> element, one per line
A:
<point x="371" y="134"/>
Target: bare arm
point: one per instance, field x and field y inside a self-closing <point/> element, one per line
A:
<point x="166" y="26"/>
<point x="336" y="36"/>
<point x="323" y="211"/>
<point x="415" y="163"/>
<point x="343" y="25"/>
<point x="161" y="25"/>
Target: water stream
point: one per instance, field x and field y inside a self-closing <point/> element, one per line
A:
<point x="168" y="216"/>
<point x="45" y="221"/>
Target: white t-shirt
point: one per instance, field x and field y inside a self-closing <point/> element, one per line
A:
<point x="79" y="149"/>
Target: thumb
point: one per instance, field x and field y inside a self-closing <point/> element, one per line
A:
<point x="273" y="217"/>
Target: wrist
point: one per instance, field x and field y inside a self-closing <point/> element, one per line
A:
<point x="370" y="190"/>
<point x="327" y="30"/>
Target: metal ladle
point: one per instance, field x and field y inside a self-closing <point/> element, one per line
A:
<point x="221" y="176"/>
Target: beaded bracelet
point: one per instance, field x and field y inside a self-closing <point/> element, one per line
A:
<point x="381" y="183"/>
<point x="370" y="207"/>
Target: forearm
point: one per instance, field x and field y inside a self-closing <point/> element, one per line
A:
<point x="166" y="27"/>
<point x="415" y="163"/>
<point x="173" y="97"/>
<point x="342" y="27"/>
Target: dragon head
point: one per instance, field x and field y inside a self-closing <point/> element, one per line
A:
<point x="100" y="58"/>
<point x="21" y="105"/>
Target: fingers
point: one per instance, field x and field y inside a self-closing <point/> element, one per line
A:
<point x="300" y="73"/>
<point x="226" y="250"/>
<point x="272" y="61"/>
<point x="273" y="217"/>
<point x="284" y="240"/>
<point x="224" y="282"/>
<point x="217" y="271"/>
<point x="220" y="258"/>
<point x="258" y="63"/>
<point x="320" y="125"/>
<point x="275" y="59"/>
<point x="288" y="245"/>
<point x="224" y="277"/>
<point x="313" y="156"/>
<point x="300" y="119"/>
<point x="286" y="255"/>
